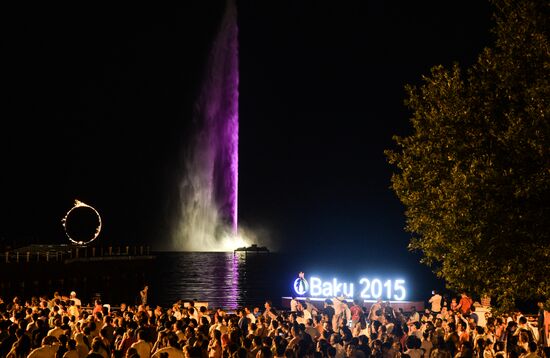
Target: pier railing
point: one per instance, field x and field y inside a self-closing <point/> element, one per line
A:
<point x="68" y="254"/>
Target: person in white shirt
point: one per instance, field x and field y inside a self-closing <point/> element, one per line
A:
<point x="203" y="311"/>
<point x="435" y="302"/>
<point x="250" y="315"/>
<point x="373" y="315"/>
<point x="77" y="301"/>
<point x="293" y="304"/>
<point x="193" y="313"/>
<point x="414" y="316"/>
<point x="307" y="315"/>
<point x="173" y="349"/>
<point x="142" y="346"/>
<point x="49" y="348"/>
<point x="56" y="331"/>
<point x="310" y="307"/>
<point x="426" y="344"/>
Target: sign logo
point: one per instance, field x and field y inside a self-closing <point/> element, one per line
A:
<point x="366" y="288"/>
<point x="301" y="286"/>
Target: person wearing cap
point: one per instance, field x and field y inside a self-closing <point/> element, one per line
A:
<point x="77" y="302"/>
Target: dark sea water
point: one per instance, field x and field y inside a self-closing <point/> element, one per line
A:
<point x="223" y="279"/>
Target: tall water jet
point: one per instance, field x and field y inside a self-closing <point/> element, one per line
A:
<point x="208" y="213"/>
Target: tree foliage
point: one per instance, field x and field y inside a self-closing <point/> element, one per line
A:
<point x="474" y="175"/>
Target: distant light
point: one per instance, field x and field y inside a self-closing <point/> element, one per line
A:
<point x="231" y="242"/>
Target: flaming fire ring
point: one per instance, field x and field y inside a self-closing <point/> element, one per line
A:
<point x="77" y="205"/>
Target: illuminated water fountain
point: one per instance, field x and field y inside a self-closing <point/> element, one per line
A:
<point x="208" y="216"/>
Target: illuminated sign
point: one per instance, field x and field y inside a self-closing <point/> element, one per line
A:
<point x="301" y="286"/>
<point x="367" y="288"/>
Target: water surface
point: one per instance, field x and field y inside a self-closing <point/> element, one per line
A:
<point x="223" y="279"/>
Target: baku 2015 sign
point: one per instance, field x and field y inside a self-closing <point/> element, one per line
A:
<point x="368" y="288"/>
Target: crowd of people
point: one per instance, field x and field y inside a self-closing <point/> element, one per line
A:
<point x="61" y="327"/>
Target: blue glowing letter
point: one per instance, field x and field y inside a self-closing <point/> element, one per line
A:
<point x="315" y="286"/>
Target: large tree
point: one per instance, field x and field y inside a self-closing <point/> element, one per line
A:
<point x="474" y="175"/>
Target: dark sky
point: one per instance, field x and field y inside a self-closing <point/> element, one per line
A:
<point x="98" y="103"/>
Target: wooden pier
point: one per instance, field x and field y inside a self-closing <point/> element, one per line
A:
<point x="68" y="254"/>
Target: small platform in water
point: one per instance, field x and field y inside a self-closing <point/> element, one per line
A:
<point x="253" y="248"/>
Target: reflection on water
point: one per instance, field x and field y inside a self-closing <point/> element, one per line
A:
<point x="203" y="276"/>
<point x="223" y="279"/>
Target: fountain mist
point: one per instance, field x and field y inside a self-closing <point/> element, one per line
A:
<point x="209" y="190"/>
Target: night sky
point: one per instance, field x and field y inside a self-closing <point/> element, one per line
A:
<point x="98" y="104"/>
